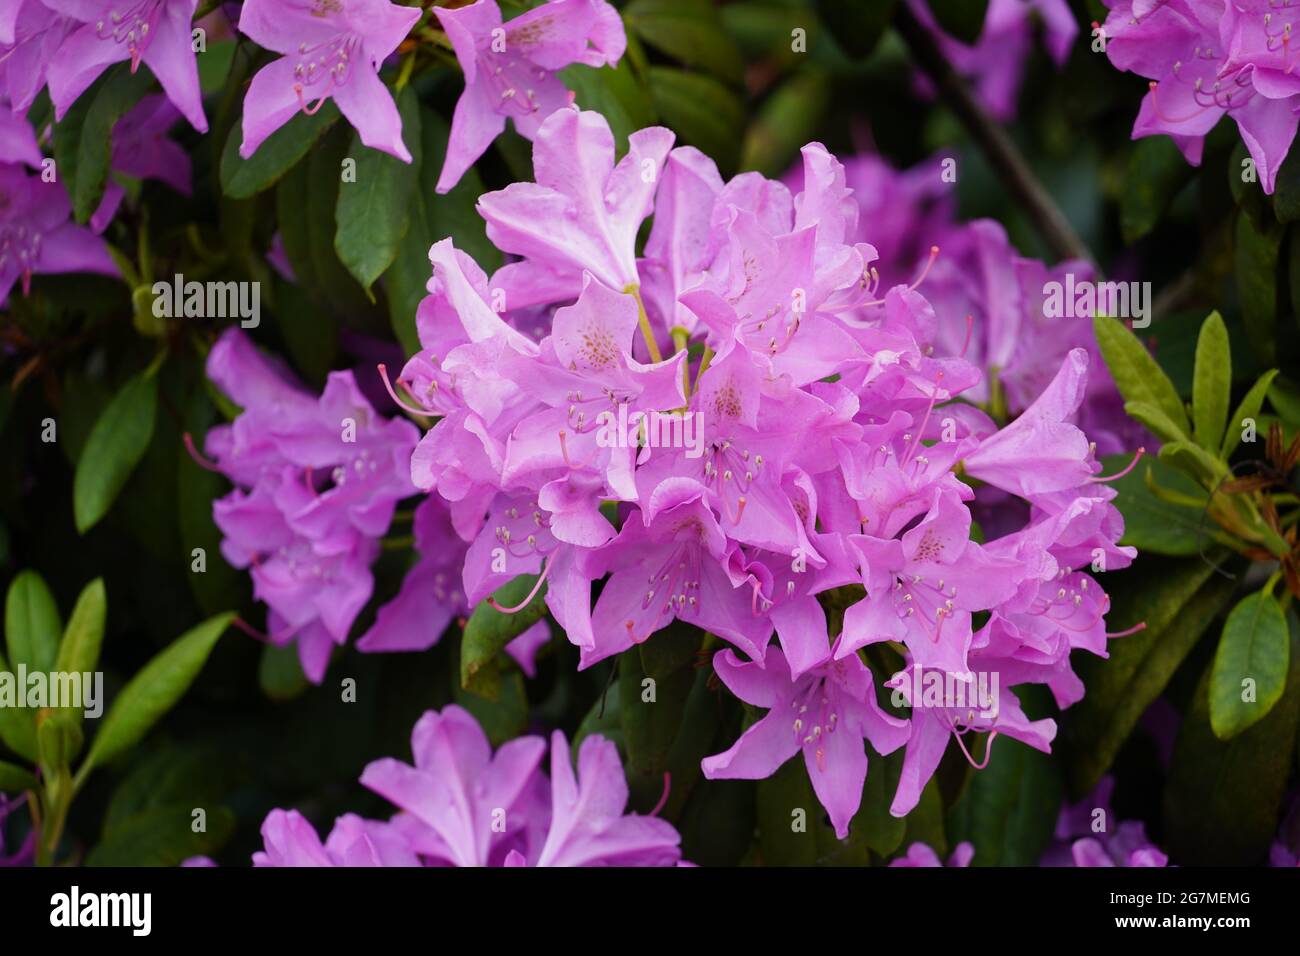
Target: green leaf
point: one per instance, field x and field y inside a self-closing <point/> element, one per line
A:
<point x="1212" y="382"/>
<point x="121" y="91"/>
<point x="18" y="725"/>
<point x="503" y="718"/>
<point x="1136" y="374"/>
<point x="279" y="152"/>
<point x="84" y="635"/>
<point x="1256" y="251"/>
<point x="214" y="66"/>
<point x="793" y="829"/>
<point x="1193" y="460"/>
<point x="704" y="112"/>
<point x="305" y="201"/>
<point x="1177" y="599"/>
<point x="15" y="779"/>
<point x="616" y="92"/>
<point x="154" y="690"/>
<point x="433" y="217"/>
<point x="374" y="211"/>
<point x="650" y="714"/>
<point x="1151" y="524"/>
<point x="489" y="631"/>
<point x="1255" y="646"/>
<point x="163" y="836"/>
<point x="115" y="446"/>
<point x="786" y="121"/>
<point x="1249" y="408"/>
<point x="1284" y="396"/>
<point x="279" y="672"/>
<point x="191" y="774"/>
<point x="689" y="31"/>
<point x="1156" y="174"/>
<point x="32" y="625"/>
<point x="1155" y="419"/>
<point x="1223" y="798"/>
<point x="1009" y="809"/>
<point x="879" y="829"/>
<point x="58" y="739"/>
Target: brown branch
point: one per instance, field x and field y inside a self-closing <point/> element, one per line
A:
<point x="992" y="140"/>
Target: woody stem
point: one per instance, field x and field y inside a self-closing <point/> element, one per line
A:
<point x="1001" y="152"/>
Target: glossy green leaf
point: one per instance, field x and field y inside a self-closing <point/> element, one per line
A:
<point x="703" y="112"/>
<point x="690" y="32"/>
<point x="1256" y="254"/>
<point x="1254" y="649"/>
<point x="116" y="444"/>
<point x="163" y="836"/>
<point x="1223" y="799"/>
<point x="786" y="121"/>
<point x="84" y="635"/>
<point x="433" y="217"/>
<point x="1136" y="374"/>
<point x="1155" y="419"/>
<point x="279" y="152"/>
<point x="15" y="779"/>
<point x="1212" y="383"/>
<point x="1249" y="408"/>
<point x="32" y="624"/>
<point x="1152" y="524"/>
<point x="18" y="725"/>
<point x="154" y="690"/>
<point x="112" y="99"/>
<point x="279" y="672"/>
<point x="374" y="207"/>
<point x="1009" y="809"/>
<point x="1176" y="599"/>
<point x="489" y="630"/>
<point x="1156" y="173"/>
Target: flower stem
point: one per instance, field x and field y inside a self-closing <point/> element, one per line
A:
<point x="643" y="321"/>
<point x="704" y="366"/>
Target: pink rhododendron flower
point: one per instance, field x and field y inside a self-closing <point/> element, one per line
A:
<point x="1207" y="59"/>
<point x="463" y="805"/>
<point x="155" y="32"/>
<point x="1088" y="835"/>
<point x="332" y="50"/>
<point x="37" y="234"/>
<point x="510" y="69"/>
<point x="318" y="480"/>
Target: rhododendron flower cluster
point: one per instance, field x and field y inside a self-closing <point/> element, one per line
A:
<point x="318" y="480"/>
<point x="463" y="805"/>
<point x="837" y="456"/>
<point x="1207" y="59"/>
